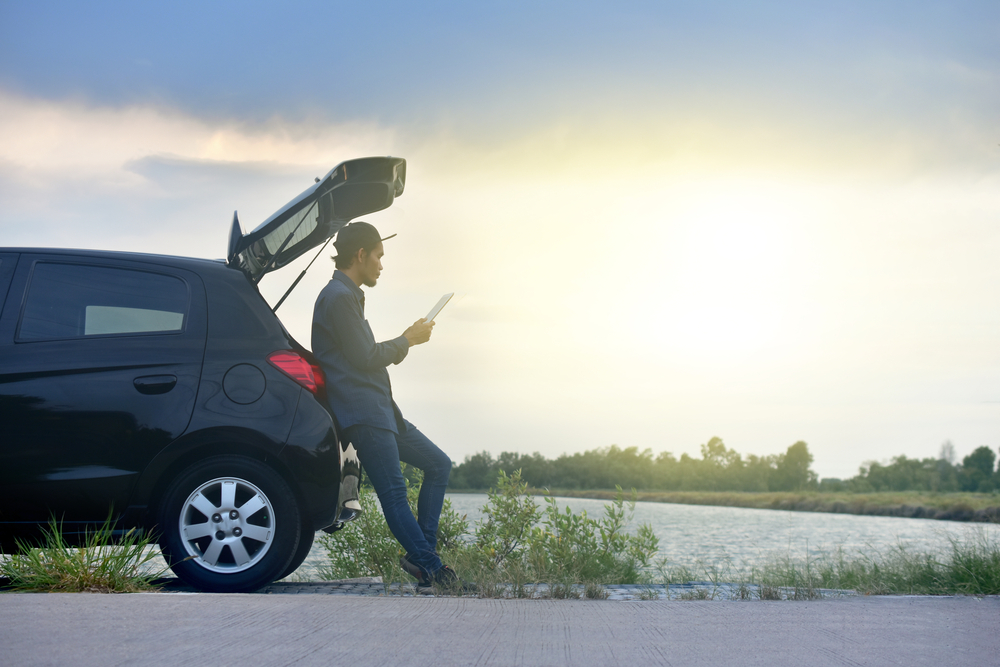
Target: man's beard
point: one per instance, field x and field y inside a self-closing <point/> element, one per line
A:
<point x="370" y="282"/>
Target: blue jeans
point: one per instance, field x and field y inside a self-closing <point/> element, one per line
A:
<point x="380" y="452"/>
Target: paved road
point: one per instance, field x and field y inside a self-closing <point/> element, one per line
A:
<point x="258" y="630"/>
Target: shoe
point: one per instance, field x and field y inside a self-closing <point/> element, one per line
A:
<point x="444" y="581"/>
<point x="413" y="569"/>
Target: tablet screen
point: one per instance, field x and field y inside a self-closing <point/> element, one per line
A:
<point x="437" y="307"/>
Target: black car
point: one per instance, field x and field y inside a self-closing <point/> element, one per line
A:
<point x="164" y="392"/>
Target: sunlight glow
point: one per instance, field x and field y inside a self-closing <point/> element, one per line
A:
<point x="724" y="286"/>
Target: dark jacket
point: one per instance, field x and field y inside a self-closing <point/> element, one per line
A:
<point x="357" y="381"/>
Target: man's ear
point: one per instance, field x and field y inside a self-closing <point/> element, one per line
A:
<point x="359" y="256"/>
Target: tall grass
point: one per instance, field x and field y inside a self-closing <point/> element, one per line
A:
<point x="102" y="563"/>
<point x="970" y="566"/>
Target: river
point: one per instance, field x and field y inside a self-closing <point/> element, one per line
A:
<point x="694" y="535"/>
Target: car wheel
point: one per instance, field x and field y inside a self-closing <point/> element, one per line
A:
<point x="305" y="544"/>
<point x="229" y="524"/>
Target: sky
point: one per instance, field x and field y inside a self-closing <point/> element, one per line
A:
<point x="663" y="221"/>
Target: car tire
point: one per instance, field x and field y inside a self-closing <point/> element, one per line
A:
<point x="229" y="524"/>
<point x="305" y="544"/>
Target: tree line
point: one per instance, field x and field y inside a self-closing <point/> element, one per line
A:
<point x="718" y="469"/>
<point x="723" y="469"/>
<point x="976" y="473"/>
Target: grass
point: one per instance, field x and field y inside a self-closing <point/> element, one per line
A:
<point x="103" y="563"/>
<point x="697" y="594"/>
<point x="912" y="504"/>
<point x="649" y="593"/>
<point x="970" y="567"/>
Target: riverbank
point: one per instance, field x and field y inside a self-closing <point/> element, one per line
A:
<point x="974" y="507"/>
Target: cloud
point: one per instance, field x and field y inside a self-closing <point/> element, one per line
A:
<point x="650" y="279"/>
<point x="45" y="137"/>
<point x="110" y="177"/>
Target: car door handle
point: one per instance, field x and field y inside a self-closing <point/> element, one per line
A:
<point x="155" y="384"/>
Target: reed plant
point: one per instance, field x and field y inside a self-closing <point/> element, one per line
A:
<point x="970" y="566"/>
<point x="102" y="562"/>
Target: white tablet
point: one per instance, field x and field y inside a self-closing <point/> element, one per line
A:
<point x="437" y="307"/>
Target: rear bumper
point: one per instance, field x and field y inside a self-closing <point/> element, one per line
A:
<point x="313" y="455"/>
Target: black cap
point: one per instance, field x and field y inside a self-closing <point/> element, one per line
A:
<point x="355" y="236"/>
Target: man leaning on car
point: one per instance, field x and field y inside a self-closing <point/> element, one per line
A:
<point x="360" y="396"/>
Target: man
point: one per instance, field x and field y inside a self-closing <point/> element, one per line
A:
<point x="360" y="397"/>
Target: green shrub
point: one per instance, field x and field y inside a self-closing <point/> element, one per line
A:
<point x="497" y="556"/>
<point x="512" y="549"/>
<point x="511" y="514"/>
<point x="582" y="549"/>
<point x="103" y="563"/>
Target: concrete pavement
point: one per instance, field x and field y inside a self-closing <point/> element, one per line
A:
<point x="256" y="630"/>
<point x="692" y="590"/>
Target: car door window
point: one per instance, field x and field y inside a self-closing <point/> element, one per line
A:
<point x="74" y="300"/>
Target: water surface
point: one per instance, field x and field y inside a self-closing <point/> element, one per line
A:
<point x="690" y="534"/>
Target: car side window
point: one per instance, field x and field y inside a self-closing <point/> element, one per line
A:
<point x="76" y="300"/>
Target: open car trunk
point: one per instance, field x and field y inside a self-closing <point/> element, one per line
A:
<point x="351" y="189"/>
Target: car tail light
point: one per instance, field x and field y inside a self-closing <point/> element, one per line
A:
<point x="297" y="367"/>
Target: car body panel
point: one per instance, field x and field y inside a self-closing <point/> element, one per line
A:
<point x="313" y="455"/>
<point x="8" y="262"/>
<point x="83" y="416"/>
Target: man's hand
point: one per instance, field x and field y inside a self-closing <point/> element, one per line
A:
<point x="419" y="332"/>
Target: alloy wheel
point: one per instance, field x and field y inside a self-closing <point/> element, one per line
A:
<point x="227" y="525"/>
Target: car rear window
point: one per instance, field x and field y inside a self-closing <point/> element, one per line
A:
<point x="75" y="300"/>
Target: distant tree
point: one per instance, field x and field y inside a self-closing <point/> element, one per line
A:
<point x="478" y="471"/>
<point x="905" y="474"/>
<point x="535" y="468"/>
<point x="982" y="458"/>
<point x="978" y="469"/>
<point x="947" y="452"/>
<point x="666" y="472"/>
<point x="943" y="476"/>
<point x="757" y="472"/>
<point x="792" y="472"/>
<point x="720" y="468"/>
<point x="901" y="474"/>
<point x="833" y="485"/>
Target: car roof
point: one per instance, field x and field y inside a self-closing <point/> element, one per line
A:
<point x="193" y="263"/>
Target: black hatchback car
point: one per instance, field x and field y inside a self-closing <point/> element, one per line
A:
<point x="164" y="392"/>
